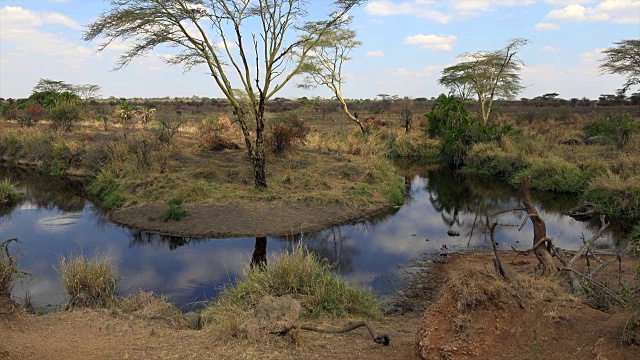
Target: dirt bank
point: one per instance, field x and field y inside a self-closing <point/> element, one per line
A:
<point x="243" y="219"/>
<point x="504" y="326"/>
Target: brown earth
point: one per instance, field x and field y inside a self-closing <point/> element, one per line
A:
<point x="545" y="328"/>
<point x="241" y="219"/>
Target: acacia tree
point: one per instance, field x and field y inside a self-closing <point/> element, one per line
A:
<point x="213" y="33"/>
<point x="623" y="59"/>
<point x="489" y="74"/>
<point x="456" y="78"/>
<point x="323" y="66"/>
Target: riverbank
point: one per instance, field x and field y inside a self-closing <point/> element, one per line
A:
<point x="333" y="178"/>
<point x="549" y="323"/>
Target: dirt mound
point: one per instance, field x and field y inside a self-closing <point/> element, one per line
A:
<point x="478" y="316"/>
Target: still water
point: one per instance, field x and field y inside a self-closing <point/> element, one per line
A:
<point x="55" y="221"/>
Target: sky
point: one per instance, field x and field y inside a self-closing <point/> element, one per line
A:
<point x="405" y="46"/>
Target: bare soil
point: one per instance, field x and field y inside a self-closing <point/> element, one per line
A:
<point x="242" y="219"/>
<point x="543" y="329"/>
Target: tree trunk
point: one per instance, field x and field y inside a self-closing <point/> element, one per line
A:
<point x="259" y="157"/>
<point x="539" y="230"/>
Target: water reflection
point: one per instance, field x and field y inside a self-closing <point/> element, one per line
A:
<point x="56" y="221"/>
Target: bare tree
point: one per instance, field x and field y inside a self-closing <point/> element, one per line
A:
<point x="86" y="91"/>
<point x="489" y="74"/>
<point x="323" y="66"/>
<point x="623" y="59"/>
<point x="214" y="33"/>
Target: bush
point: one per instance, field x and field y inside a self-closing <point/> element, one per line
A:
<point x="89" y="282"/>
<point x="64" y="116"/>
<point x="11" y="114"/>
<point x="284" y="132"/>
<point x="148" y="305"/>
<point x="488" y="159"/>
<point x="106" y="191"/>
<point x="553" y="174"/>
<point x="446" y="112"/>
<point x="302" y="275"/>
<point x="29" y="115"/>
<point x="174" y="211"/>
<point x="616" y="129"/>
<point x="216" y="135"/>
<point x="458" y="140"/>
<point x="614" y="196"/>
<point x="8" y="193"/>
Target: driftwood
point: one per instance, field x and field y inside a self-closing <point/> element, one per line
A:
<point x="377" y="338"/>
<point x="496" y="260"/>
<point x="582" y="212"/>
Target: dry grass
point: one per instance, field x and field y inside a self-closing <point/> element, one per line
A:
<point x="477" y="290"/>
<point x="89" y="282"/>
<point x="147" y="305"/>
<point x="298" y="273"/>
<point x="9" y="194"/>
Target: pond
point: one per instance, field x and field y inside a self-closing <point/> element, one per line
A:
<point x="55" y="221"/>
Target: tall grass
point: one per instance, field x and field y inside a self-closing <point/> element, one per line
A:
<point x="9" y="194"/>
<point x="89" y="282"/>
<point x="298" y="273"/>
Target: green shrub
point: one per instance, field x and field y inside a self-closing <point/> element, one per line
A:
<point x="174" y="211"/>
<point x="64" y="116"/>
<point x="56" y="161"/>
<point x="446" y="112"/>
<point x="408" y="147"/>
<point x="106" y="191"/>
<point x="8" y="193"/>
<point x="488" y="159"/>
<point x="553" y="174"/>
<point x="89" y="282"/>
<point x="616" y="129"/>
<point x="302" y="275"/>
<point x="615" y="196"/>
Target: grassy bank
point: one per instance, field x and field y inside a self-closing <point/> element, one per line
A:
<point x="336" y="167"/>
<point x="9" y="194"/>
<point x="298" y="273"/>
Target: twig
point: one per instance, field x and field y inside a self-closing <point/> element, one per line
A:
<point x="528" y="251"/>
<point x="509" y="210"/>
<point x="598" y="284"/>
<point x="604" y="265"/>
<point x="590" y="241"/>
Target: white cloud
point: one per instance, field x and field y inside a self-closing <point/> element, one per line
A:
<point x="15" y="16"/>
<point x="439" y="11"/>
<point x="546" y="26"/>
<point x="549" y="48"/>
<point x="418" y="8"/>
<point x="375" y="53"/>
<point x="432" y="42"/>
<point x="592" y="56"/>
<point x="426" y="71"/>
<point x="617" y="11"/>
<point x="574" y="12"/>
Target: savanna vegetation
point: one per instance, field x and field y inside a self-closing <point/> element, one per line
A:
<point x="184" y="153"/>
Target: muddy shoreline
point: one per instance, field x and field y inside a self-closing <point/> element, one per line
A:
<point x="243" y="219"/>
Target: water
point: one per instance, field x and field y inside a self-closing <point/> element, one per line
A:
<point x="56" y="221"/>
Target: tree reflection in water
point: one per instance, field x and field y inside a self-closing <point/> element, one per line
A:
<point x="259" y="257"/>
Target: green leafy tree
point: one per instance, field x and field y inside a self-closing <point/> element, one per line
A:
<point x="490" y="74"/>
<point x="263" y="42"/>
<point x="624" y="59"/>
<point x="457" y="79"/>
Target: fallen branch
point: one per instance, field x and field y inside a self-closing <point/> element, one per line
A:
<point x="496" y="260"/>
<point x="378" y="339"/>
<point x="598" y="284"/>
<point x="587" y="244"/>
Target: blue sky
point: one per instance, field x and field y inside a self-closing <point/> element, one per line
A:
<point x="405" y="46"/>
